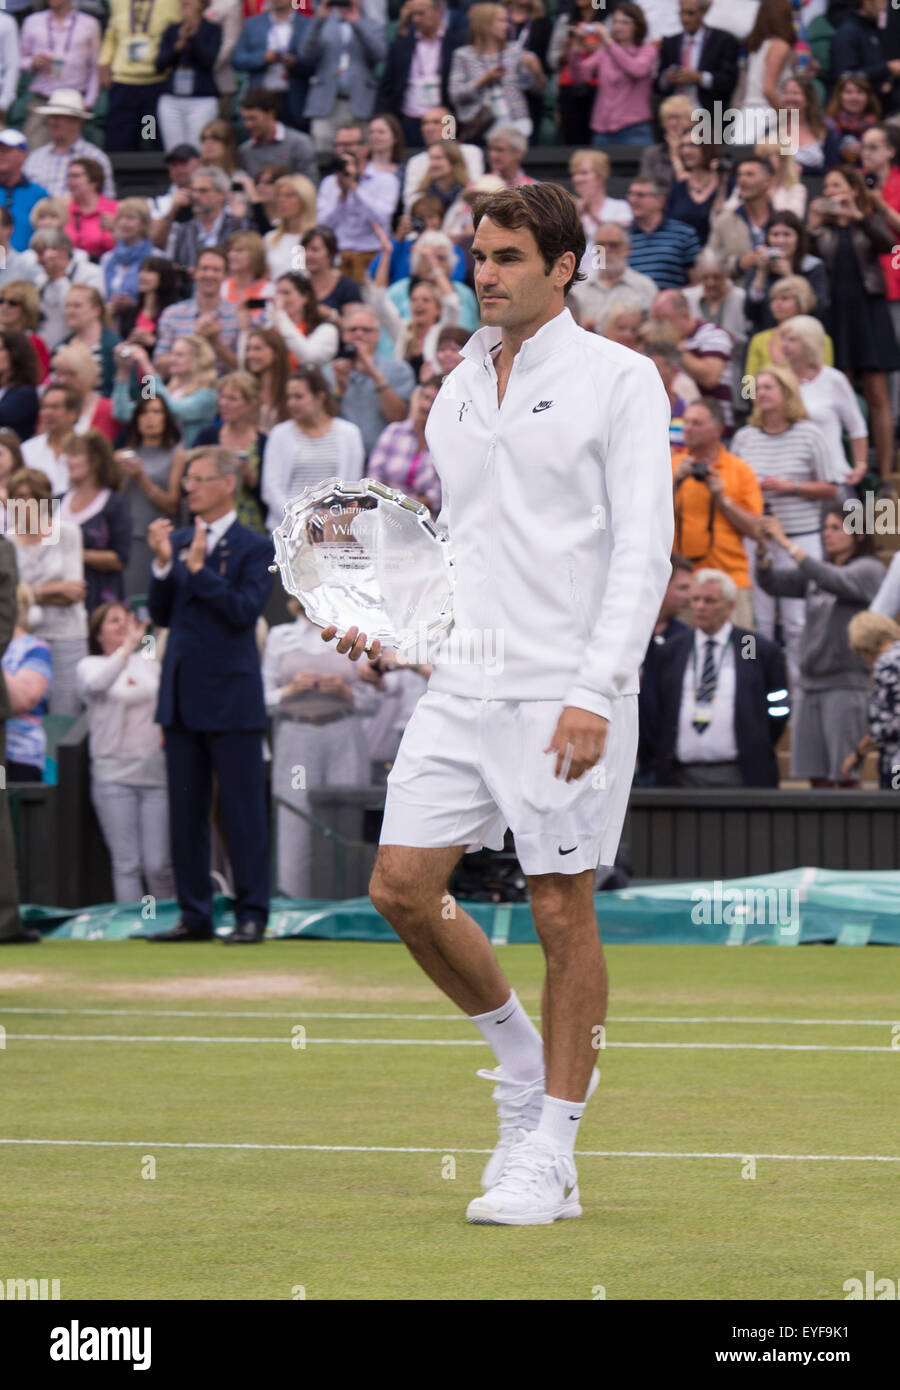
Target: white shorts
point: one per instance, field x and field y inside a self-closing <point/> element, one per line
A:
<point x="468" y="768"/>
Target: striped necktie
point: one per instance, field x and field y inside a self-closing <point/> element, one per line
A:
<point x="706" y="691"/>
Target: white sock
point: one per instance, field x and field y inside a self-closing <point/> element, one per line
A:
<point x="559" y="1123"/>
<point x="517" y="1044"/>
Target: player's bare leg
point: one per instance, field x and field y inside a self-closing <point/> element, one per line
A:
<point x="576" y="987"/>
<point x="409" y="889"/>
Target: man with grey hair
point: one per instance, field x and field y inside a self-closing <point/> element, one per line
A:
<point x="210" y="584"/>
<point x="506" y="146"/>
<point x="372" y="388"/>
<point x="212" y="224"/>
<point x="611" y="282"/>
<point x="59" y="267"/>
<point x="720" y="697"/>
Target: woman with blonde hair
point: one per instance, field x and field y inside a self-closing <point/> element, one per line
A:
<point x="789" y="296"/>
<point x="189" y="393"/>
<point x="490" y="75"/>
<point x="76" y="367"/>
<point x="237" y="430"/>
<point x="828" y="396"/>
<point x="875" y="639"/>
<point x="447" y="175"/>
<point x="623" y="324"/>
<point x="120" y="266"/>
<point x="20" y="312"/>
<point x="88" y="323"/>
<point x="248" y="271"/>
<point x="788" y="454"/>
<point x="295" y="206"/>
<point x="590" y="170"/>
<point x="663" y="161"/>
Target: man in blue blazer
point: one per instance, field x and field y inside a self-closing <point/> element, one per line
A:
<point x="210" y="584"/>
<point x="270" y="50"/>
<point x="720" y="697"/>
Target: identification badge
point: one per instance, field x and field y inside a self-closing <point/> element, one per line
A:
<point x="58" y="65"/>
<point x="430" y="91"/>
<point x="138" y="49"/>
<point x="183" y="82"/>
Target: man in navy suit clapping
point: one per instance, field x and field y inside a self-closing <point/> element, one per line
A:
<point x="209" y="586"/>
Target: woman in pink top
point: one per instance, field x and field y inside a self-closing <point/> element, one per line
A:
<point x="623" y="66"/>
<point x="90" y="214"/>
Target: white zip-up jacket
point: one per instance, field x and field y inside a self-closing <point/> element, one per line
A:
<point x="559" y="509"/>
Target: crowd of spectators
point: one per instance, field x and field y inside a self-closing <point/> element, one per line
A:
<point x="287" y="310"/>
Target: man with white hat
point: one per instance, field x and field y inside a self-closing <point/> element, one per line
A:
<point x="18" y="193"/>
<point x="49" y="164"/>
<point x="60" y="49"/>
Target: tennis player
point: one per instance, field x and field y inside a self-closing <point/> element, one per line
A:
<point x="551" y="444"/>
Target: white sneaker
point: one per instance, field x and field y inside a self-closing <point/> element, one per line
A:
<point x="519" y="1105"/>
<point x="537" y="1187"/>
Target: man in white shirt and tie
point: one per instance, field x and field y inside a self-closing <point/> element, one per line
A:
<point x="721" y="696"/>
<point x="700" y="63"/>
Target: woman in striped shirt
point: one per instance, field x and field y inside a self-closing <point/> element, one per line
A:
<point x="789" y="456"/>
<point x="310" y="446"/>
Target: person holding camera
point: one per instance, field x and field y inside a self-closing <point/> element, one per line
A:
<point x="879" y="155"/>
<point x="851" y="235"/>
<point x="372" y="390"/>
<point x="717" y="502"/>
<point x="356" y="201"/>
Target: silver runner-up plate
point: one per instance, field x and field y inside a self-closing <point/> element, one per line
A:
<point x="365" y="555"/>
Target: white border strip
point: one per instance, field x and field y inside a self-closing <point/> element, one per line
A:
<point x="388" y="1149"/>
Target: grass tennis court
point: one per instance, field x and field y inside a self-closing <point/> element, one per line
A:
<point x="143" y="1048"/>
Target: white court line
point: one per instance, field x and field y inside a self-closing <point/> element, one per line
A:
<point x="429" y="1018"/>
<point x="434" y="1018"/>
<point x="428" y="1042"/>
<point x="386" y="1149"/>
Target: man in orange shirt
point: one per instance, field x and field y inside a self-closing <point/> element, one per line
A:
<point x="717" y="503"/>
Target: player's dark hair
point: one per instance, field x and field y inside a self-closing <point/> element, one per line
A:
<point x="550" y="214"/>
